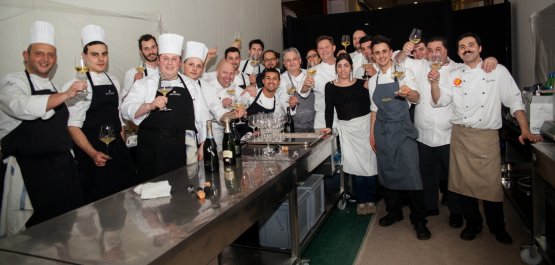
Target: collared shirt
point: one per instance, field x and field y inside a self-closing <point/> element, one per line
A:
<point x="130" y="77"/>
<point x="288" y="80"/>
<point x="256" y="69"/>
<point x="79" y="105"/>
<point x="433" y="125"/>
<point x="477" y="96"/>
<point x="144" y="91"/>
<point x="324" y="73"/>
<point x="17" y="103"/>
<point x="268" y="103"/>
<point x="387" y="77"/>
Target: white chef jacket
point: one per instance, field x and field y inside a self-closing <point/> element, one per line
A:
<point x="144" y="91"/>
<point x="268" y="103"/>
<point x="387" y="77"/>
<point x="17" y="103"/>
<point x="357" y="58"/>
<point x="79" y="105"/>
<point x="130" y="78"/>
<point x="433" y="124"/>
<point x="285" y="82"/>
<point x="324" y="73"/>
<point x="477" y="99"/>
<point x="257" y="69"/>
<point x="214" y="93"/>
<point x="238" y="80"/>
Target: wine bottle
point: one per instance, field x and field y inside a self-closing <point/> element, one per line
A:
<point x="236" y="138"/>
<point x="228" y="145"/>
<point x="210" y="150"/>
<point x="289" y="126"/>
<point x="549" y="84"/>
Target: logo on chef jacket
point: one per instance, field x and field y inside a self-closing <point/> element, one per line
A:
<point x="457" y="82"/>
<point x="110" y="92"/>
<point x="174" y="93"/>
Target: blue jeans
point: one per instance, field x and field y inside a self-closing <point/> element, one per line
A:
<point x="364" y="188"/>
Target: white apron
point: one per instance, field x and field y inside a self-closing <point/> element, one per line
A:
<point x="357" y="156"/>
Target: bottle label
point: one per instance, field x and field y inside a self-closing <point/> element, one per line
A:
<point x="227" y="154"/>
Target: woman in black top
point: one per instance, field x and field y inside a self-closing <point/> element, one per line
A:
<point x="349" y="98"/>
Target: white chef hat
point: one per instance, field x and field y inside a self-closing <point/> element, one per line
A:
<point x="196" y="49"/>
<point x="170" y="43"/>
<point x="90" y="33"/>
<point x="42" y="32"/>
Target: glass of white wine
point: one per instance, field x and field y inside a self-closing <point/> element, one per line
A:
<point x="164" y="90"/>
<point x="140" y="68"/>
<point x="311" y="70"/>
<point x="345" y="41"/>
<point x="291" y="90"/>
<point x="81" y="68"/>
<point x="435" y="61"/>
<point x="237" y="38"/>
<point x="415" y="35"/>
<point x="107" y="135"/>
<point x="398" y="71"/>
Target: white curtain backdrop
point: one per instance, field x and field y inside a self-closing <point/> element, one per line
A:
<point x="543" y="33"/>
<point x="210" y="21"/>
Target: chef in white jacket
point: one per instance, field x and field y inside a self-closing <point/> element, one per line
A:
<point x="149" y="57"/>
<point x="161" y="144"/>
<point x="33" y="129"/>
<point x="325" y="72"/>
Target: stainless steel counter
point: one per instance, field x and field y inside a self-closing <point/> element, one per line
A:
<point x="181" y="229"/>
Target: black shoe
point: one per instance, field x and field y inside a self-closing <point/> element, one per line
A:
<point x="469" y="232"/>
<point x="433" y="212"/>
<point x="455" y="220"/>
<point x="389" y="219"/>
<point x="422" y="231"/>
<point x="503" y="237"/>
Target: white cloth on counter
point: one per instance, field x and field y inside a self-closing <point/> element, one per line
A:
<point x="153" y="190"/>
<point x="16" y="205"/>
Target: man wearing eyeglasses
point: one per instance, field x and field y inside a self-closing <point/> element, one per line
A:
<point x="270" y="59"/>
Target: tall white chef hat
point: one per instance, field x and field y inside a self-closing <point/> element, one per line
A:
<point x="90" y="33"/>
<point x="170" y="43"/>
<point x="42" y="32"/>
<point x="196" y="49"/>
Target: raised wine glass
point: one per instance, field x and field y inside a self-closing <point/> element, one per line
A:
<point x="81" y="68"/>
<point x="164" y="90"/>
<point x="345" y="41"/>
<point x="107" y="136"/>
<point x="311" y="69"/>
<point x="415" y="35"/>
<point x="237" y="38"/>
<point x="140" y="68"/>
<point x="435" y="61"/>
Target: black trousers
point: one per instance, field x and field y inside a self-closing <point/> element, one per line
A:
<point x="434" y="168"/>
<point x="493" y="211"/>
<point x="394" y="205"/>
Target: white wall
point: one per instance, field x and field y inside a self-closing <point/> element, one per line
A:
<point x="523" y="48"/>
<point x="210" y="21"/>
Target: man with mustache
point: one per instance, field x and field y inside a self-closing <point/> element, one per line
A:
<point x="149" y="53"/>
<point x="475" y="160"/>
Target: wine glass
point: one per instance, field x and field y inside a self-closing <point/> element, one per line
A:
<point x="415" y="35"/>
<point x="311" y="70"/>
<point x="237" y="38"/>
<point x="366" y="65"/>
<point x="81" y="68"/>
<point x="231" y="91"/>
<point x="240" y="104"/>
<point x="140" y="68"/>
<point x="435" y="61"/>
<point x="164" y="90"/>
<point x="345" y="41"/>
<point x="291" y="90"/>
<point x="107" y="136"/>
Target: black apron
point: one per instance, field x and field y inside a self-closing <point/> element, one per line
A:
<point x="253" y="109"/>
<point x="395" y="137"/>
<point x="119" y="173"/>
<point x="161" y="139"/>
<point x="244" y="85"/>
<point x="42" y="149"/>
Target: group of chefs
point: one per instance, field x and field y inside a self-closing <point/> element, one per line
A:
<point x="51" y="136"/>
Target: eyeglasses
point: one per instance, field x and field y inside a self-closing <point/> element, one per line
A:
<point x="311" y="56"/>
<point x="269" y="59"/>
<point x="296" y="59"/>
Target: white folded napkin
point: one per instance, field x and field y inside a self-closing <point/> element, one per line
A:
<point x="131" y="141"/>
<point x="152" y="190"/>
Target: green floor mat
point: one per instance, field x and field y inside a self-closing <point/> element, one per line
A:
<point x="339" y="239"/>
